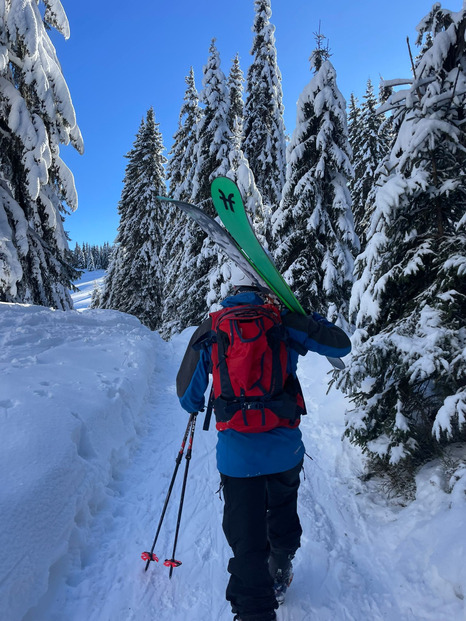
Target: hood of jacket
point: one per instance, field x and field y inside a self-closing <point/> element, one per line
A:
<point x="245" y="297"/>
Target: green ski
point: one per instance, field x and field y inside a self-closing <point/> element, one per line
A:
<point x="229" y="205"/>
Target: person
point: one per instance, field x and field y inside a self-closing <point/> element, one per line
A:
<point x="259" y="471"/>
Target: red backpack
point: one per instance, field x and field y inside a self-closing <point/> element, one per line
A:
<point x="252" y="390"/>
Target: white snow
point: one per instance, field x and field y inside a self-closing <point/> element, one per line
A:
<point x="91" y="427"/>
<point x="88" y="282"/>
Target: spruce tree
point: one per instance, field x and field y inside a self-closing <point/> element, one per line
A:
<point x="313" y="228"/>
<point x="408" y="374"/>
<point x="213" y="148"/>
<point x="106" y="255"/>
<point x="89" y="258"/>
<point x="213" y="134"/>
<point x="236" y="105"/>
<point x="134" y="283"/>
<point x="179" y="230"/>
<point x="386" y="130"/>
<point x="79" y="261"/>
<point x="370" y="145"/>
<point x="36" y="187"/>
<point x="264" y="142"/>
<point x="181" y="165"/>
<point x="193" y="293"/>
<point x="354" y="123"/>
<point x="356" y="144"/>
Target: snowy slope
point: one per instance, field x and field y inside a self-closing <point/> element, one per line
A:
<point x="86" y="284"/>
<point x="90" y="430"/>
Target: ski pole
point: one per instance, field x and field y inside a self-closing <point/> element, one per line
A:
<point x="150" y="556"/>
<point x="172" y="562"/>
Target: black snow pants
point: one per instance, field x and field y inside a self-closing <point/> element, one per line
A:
<point x="260" y="519"/>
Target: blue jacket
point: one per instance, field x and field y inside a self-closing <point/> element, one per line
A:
<point x="253" y="454"/>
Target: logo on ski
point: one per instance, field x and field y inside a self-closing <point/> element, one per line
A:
<point x="227" y="202"/>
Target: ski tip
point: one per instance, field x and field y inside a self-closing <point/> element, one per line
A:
<point x="221" y="182"/>
<point x="222" y="178"/>
<point x="337" y="363"/>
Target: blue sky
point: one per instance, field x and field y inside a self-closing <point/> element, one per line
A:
<point x="124" y="57"/>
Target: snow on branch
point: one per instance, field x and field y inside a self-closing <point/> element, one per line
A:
<point x="56" y="17"/>
<point x="454" y="407"/>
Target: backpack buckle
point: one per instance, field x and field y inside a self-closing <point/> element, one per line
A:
<point x="253" y="405"/>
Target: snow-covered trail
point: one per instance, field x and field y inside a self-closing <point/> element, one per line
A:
<point x="107" y="580"/>
<point x="335" y="574"/>
<point x="334" y="578"/>
<point x="341" y="571"/>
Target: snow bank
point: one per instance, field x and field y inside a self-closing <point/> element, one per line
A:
<point x="382" y="560"/>
<point x="71" y="396"/>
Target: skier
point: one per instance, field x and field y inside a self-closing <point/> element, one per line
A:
<point x="259" y="459"/>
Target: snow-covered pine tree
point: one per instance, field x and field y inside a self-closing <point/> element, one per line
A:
<point x="386" y="127"/>
<point x="264" y="143"/>
<point x="354" y="137"/>
<point x="240" y="171"/>
<point x="370" y="146"/>
<point x="198" y="288"/>
<point x="313" y="228"/>
<point x="113" y="289"/>
<point x="213" y="135"/>
<point x="78" y="261"/>
<point x="354" y="123"/>
<point x="36" y="187"/>
<point x="236" y="104"/>
<point x="179" y="229"/>
<point x="181" y="164"/>
<point x="96" y="254"/>
<point x="134" y="283"/>
<point x="106" y="253"/>
<point x="89" y="258"/>
<point x="408" y="374"/>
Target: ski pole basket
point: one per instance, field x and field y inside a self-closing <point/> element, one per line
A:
<point x="172" y="563"/>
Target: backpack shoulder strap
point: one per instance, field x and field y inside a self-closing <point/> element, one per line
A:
<point x="208" y="414"/>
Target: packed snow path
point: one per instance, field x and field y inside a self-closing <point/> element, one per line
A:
<point x="332" y="581"/>
<point x="342" y="572"/>
<point x="361" y="558"/>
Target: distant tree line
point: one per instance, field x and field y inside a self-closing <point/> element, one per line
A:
<point x="87" y="257"/>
